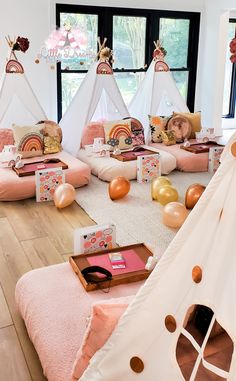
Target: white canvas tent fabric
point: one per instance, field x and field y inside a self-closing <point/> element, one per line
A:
<point x="156" y="95"/>
<point x="97" y="98"/>
<point x="207" y="239"/>
<point x="18" y="102"/>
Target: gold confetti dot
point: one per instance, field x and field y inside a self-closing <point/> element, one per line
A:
<point x="136" y="364"/>
<point x="170" y="323"/>
<point x="197" y="274"/>
<point x="233" y="149"/>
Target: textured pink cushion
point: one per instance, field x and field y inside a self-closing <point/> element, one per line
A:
<point x="14" y="188"/>
<point x="55" y="307"/>
<point x="186" y="161"/>
<point x="6" y="137"/>
<point x="104" y="318"/>
<point x="91" y="131"/>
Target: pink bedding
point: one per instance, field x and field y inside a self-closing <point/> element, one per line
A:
<point x="14" y="188"/>
<point x="186" y="161"/>
<point x="55" y="308"/>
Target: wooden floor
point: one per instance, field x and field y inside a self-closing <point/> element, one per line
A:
<point x="32" y="235"/>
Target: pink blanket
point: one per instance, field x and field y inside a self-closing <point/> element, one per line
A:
<point x="55" y="307"/>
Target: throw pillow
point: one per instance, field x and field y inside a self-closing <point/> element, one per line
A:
<point x="180" y="126"/>
<point x="168" y="138"/>
<point x="195" y="120"/>
<point x="51" y="145"/>
<point x="137" y="132"/>
<point x="157" y="125"/>
<point x="118" y="134"/>
<point x="28" y="140"/>
<point x="52" y="136"/>
<point x="104" y="318"/>
<point x="6" y="137"/>
<point x="91" y="131"/>
<point x="51" y="128"/>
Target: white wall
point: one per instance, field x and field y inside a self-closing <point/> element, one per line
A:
<point x="35" y="18"/>
<point x="181" y="5"/>
<point x="213" y="71"/>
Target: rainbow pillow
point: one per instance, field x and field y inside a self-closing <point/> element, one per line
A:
<point x="118" y="134"/>
<point x="28" y="140"/>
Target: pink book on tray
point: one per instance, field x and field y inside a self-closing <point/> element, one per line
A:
<point x="129" y="257"/>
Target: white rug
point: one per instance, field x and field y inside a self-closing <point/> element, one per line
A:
<point x="136" y="216"/>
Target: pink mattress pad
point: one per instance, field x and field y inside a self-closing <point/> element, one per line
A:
<point x="186" y="161"/>
<point x="13" y="187"/>
<point x="55" y="308"/>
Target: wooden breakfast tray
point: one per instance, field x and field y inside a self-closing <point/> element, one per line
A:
<point x="201" y="147"/>
<point x="132" y="155"/>
<point x="30" y="168"/>
<point x="135" y="256"/>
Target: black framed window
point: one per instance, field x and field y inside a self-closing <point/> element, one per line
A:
<point x="230" y="77"/>
<point x="130" y="33"/>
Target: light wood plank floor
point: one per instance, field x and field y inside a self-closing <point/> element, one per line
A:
<point x="32" y="235"/>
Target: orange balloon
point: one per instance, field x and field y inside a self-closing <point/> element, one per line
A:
<point x="118" y="188"/>
<point x="166" y="193"/>
<point x="193" y="194"/>
<point x="64" y="195"/>
<point x="174" y="214"/>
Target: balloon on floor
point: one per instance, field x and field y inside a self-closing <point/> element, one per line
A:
<point x="118" y="188"/>
<point x="64" y="195"/>
<point x="174" y="214"/>
<point x="156" y="183"/>
<point x="166" y="193"/>
<point x="193" y="194"/>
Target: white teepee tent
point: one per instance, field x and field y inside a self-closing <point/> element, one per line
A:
<point x="18" y="102"/>
<point x="205" y="242"/>
<point x="97" y="98"/>
<point x="157" y="94"/>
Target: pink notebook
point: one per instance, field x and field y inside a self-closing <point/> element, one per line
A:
<point x="132" y="261"/>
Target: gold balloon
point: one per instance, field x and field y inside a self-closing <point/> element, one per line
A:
<point x="166" y="194"/>
<point x="174" y="214"/>
<point x="156" y="183"/>
<point x="118" y="188"/>
<point x="193" y="194"/>
<point x="64" y="195"/>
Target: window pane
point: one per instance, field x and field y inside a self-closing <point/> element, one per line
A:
<point x="228" y="70"/>
<point x="128" y="84"/>
<point x="129" y="42"/>
<point x="174" y="36"/>
<point x="181" y="79"/>
<point x="70" y="84"/>
<point x="84" y="30"/>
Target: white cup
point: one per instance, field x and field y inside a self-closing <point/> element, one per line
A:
<point x="9" y="149"/>
<point x="97" y="144"/>
<point x="98" y="141"/>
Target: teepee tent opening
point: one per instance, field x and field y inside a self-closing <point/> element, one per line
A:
<point x="98" y="98"/>
<point x="157" y="93"/>
<point x="18" y="102"/>
<point x="192" y="271"/>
